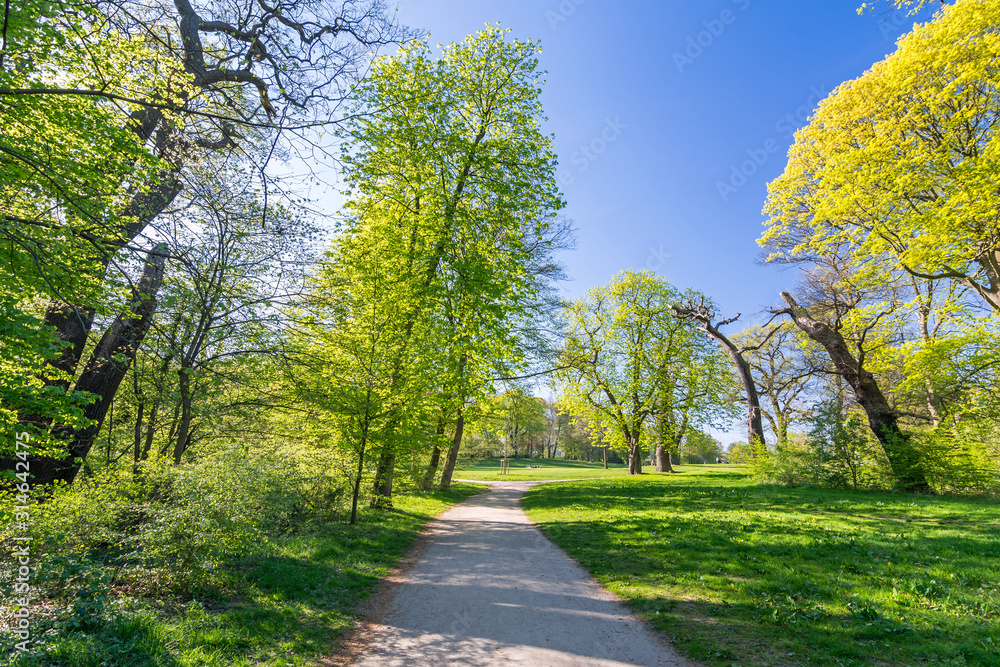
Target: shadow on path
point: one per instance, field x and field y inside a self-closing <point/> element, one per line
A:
<point x="490" y="589"/>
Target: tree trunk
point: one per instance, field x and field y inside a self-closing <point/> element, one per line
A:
<point x="150" y="426"/>
<point x="663" y="459"/>
<point x="184" y="428"/>
<point x="883" y="420"/>
<point x="755" y="429"/>
<point x="605" y="448"/>
<point x="357" y="479"/>
<point x="634" y="454"/>
<point x="923" y="320"/>
<point x="105" y="371"/>
<point x="634" y="461"/>
<point x="137" y="433"/>
<point x="449" y="466"/>
<point x="428" y="482"/>
<point x="383" y="479"/>
<point x="72" y="323"/>
<point x="175" y="421"/>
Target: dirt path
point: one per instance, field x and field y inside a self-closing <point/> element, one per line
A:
<point x="489" y="589"/>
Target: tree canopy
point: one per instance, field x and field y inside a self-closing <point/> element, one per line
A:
<point x="898" y="167"/>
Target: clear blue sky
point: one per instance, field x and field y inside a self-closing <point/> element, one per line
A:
<point x="654" y="104"/>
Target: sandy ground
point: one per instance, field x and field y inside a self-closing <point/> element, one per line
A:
<point x="487" y="588"/>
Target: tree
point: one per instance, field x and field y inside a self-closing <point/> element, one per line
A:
<point x="623" y="356"/>
<point x="110" y="104"/>
<point x="238" y="260"/>
<point x="781" y="372"/>
<point x="899" y="166"/>
<point x="703" y="313"/>
<point x="347" y="368"/>
<point x="455" y="168"/>
<point x="883" y="419"/>
<point x="700" y="448"/>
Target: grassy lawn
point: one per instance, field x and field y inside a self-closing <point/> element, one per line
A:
<point x="287" y="605"/>
<point x="488" y="470"/>
<point x="742" y="574"/>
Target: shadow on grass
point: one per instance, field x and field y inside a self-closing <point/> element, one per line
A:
<point x="772" y="575"/>
<point x="124" y="641"/>
<point x="287" y="603"/>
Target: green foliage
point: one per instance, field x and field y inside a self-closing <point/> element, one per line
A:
<point x="629" y="363"/>
<point x="286" y="597"/>
<point x="736" y="572"/>
<point x="840" y="452"/>
<point x="699" y="447"/>
<point x="958" y="462"/>
<point x="446" y="244"/>
<point x="512" y="422"/>
<point x="25" y="346"/>
<point x="64" y="158"/>
<point x="740" y="453"/>
<point x="897" y="167"/>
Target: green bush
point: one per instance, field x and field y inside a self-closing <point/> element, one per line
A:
<point x="841" y="452"/>
<point x="161" y="529"/>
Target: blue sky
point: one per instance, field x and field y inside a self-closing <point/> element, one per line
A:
<point x="670" y="117"/>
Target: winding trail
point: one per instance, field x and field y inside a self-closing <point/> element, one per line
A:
<point x="488" y="588"/>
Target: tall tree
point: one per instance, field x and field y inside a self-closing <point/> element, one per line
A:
<point x="703" y="313"/>
<point x="454" y="166"/>
<point x="110" y="102"/>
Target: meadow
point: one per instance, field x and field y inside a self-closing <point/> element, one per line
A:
<point x="526" y="470"/>
<point x="738" y="573"/>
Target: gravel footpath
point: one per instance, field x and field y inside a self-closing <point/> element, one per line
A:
<point x="487" y="588"/>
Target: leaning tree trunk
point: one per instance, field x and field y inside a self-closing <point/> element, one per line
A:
<point x="882" y="418"/>
<point x="105" y="371"/>
<point x="428" y="482"/>
<point x="755" y="428"/>
<point x="456" y="443"/>
<point x="72" y="323"/>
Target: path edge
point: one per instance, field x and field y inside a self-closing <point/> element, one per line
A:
<point x="658" y="635"/>
<point x="370" y="611"/>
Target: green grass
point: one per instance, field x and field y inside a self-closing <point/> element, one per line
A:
<point x="286" y="605"/>
<point x="488" y="470"/>
<point x="744" y="574"/>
